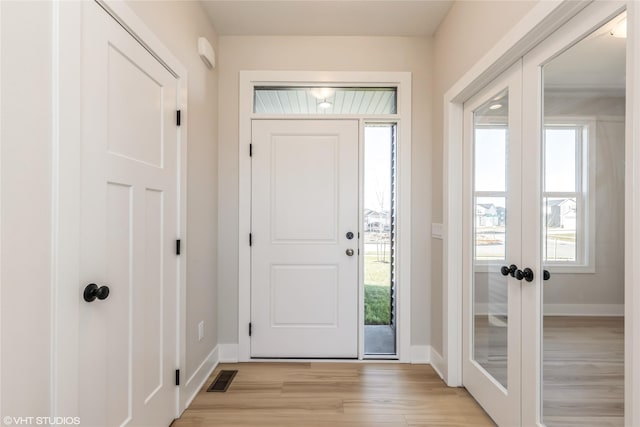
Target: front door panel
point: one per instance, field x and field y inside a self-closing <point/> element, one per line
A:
<point x="304" y="291"/>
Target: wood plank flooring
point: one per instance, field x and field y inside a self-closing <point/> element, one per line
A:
<point x="332" y="395"/>
<point x="583" y="371"/>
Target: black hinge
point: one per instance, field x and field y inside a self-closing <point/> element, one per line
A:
<point x="250" y="239"/>
<point x="178" y="118"/>
<point x="177" y="376"/>
<point x="249" y="328"/>
<point x="250" y="150"/>
<point x="178" y="247"/>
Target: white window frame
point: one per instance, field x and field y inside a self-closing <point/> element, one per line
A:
<point x="585" y="195"/>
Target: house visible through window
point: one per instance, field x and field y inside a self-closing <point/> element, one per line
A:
<point x="566" y="204"/>
<point x="490" y="192"/>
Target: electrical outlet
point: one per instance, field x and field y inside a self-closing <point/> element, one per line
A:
<point x="201" y="330"/>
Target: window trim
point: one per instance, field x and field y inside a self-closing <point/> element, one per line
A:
<point x="585" y="188"/>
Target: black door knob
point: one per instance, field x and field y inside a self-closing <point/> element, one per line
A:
<point x="511" y="270"/>
<point x="92" y="291"/>
<point x="546" y="275"/>
<point x="526" y="274"/>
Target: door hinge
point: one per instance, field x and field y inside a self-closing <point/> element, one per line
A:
<point x="250" y="150"/>
<point x="249" y="328"/>
<point x="178" y="247"/>
<point x="250" y="239"/>
<point x="177" y="376"/>
<point x="178" y="118"/>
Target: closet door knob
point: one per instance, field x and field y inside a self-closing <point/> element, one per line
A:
<point x="92" y="291"/>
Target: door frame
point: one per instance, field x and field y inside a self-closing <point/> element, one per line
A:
<point x="540" y="22"/>
<point x="402" y="80"/>
<point x="66" y="100"/>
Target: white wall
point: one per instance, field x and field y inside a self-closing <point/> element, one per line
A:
<point x="321" y="54"/>
<point x="25" y="278"/>
<point x="467" y="33"/>
<point x="26" y="125"/>
<point x="178" y="24"/>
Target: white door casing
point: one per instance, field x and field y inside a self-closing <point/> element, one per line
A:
<point x="402" y="80"/>
<point x="304" y="289"/>
<point x="501" y="401"/>
<point x="128" y="226"/>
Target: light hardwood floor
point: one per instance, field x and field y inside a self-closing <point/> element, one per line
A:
<point x="333" y="395"/>
<point x="583" y="371"/>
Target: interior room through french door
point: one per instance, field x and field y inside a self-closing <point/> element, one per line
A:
<point x="544" y="230"/>
<point x="304" y="245"/>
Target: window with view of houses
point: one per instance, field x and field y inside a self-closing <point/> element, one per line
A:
<point x="566" y="203"/>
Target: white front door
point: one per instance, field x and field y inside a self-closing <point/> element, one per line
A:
<point x="304" y="277"/>
<point x="129" y="223"/>
<point x="492" y="242"/>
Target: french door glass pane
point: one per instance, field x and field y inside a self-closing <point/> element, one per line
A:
<point x="583" y="232"/>
<point x="490" y="186"/>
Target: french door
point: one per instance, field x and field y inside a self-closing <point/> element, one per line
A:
<point x="492" y="236"/>
<point x="543" y="230"/>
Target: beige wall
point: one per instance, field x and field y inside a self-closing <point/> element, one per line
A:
<point x="469" y="30"/>
<point x="319" y="54"/>
<point x="178" y="24"/>
<point x="25" y="280"/>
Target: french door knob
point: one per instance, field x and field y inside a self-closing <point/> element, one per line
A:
<point x="511" y="270"/>
<point x="526" y="274"/>
<point x="546" y="275"/>
<point x="92" y="291"/>
<point x="349" y="252"/>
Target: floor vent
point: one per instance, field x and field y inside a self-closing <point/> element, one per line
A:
<point x="222" y="381"/>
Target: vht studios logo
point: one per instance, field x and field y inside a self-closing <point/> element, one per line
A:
<point x="40" y="421"/>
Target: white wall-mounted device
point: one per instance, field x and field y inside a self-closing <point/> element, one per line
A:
<point x="206" y="52"/>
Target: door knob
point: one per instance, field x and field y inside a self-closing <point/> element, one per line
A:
<point x="350" y="252"/>
<point x="92" y="291"/>
<point x="546" y="275"/>
<point x="511" y="270"/>
<point x="526" y="274"/>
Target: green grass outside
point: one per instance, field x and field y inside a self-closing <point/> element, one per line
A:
<point x="376" y="305"/>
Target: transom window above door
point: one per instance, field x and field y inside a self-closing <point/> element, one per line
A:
<point x="309" y="100"/>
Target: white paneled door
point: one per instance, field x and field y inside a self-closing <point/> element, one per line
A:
<point x="129" y="217"/>
<point x="304" y="281"/>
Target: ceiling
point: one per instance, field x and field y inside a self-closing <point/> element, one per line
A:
<point x="597" y="62"/>
<point x="326" y="17"/>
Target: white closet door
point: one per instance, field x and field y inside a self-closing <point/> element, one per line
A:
<point x="128" y="228"/>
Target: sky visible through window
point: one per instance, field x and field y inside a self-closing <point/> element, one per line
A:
<point x="377" y="171"/>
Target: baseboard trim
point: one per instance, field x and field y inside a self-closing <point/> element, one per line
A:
<point x="189" y="391"/>
<point x="437" y="362"/>
<point x="228" y="353"/>
<point x="606" y="310"/>
<point x="420" y="355"/>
